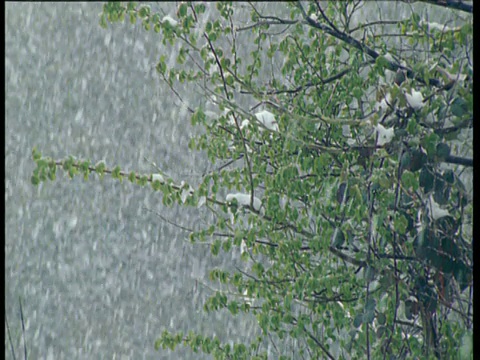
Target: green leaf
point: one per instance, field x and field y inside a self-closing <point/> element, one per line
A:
<point x="426" y="179"/>
<point x="358" y="321"/>
<point x="401" y="224"/>
<point x="417" y="160"/>
<point x="441" y="192"/>
<point x="36" y="155"/>
<point x="371" y="304"/>
<point x="233" y="307"/>
<point x="459" y="107"/>
<point x="369" y="273"/>
<point x="143" y="180"/>
<point x="443" y="151"/>
<point x="412" y="127"/>
<point x="405" y="161"/>
<point x="116" y="172"/>
<point x="357" y="93"/>
<point x="381" y="330"/>
<point x="429" y="143"/>
<point x="35" y="180"/>
<point x="463" y="275"/>
<point x="381" y="318"/>
<point x="131" y="5"/>
<point x="338" y="238"/>
<point x="449" y="176"/>
<point x="103" y="21"/>
<point x="133" y="18"/>
<point x="215" y="247"/>
<point x="84" y="166"/>
<point x="52" y="169"/>
<point x="200" y="9"/>
<point x="409" y="180"/>
<point x="144" y="11"/>
<point x="132" y="177"/>
<point x="100" y="168"/>
<point x="381" y="62"/>
<point x="161" y="65"/>
<point x="226" y="245"/>
<point x="423" y="243"/>
<point x="369" y="316"/>
<point x="182" y="10"/>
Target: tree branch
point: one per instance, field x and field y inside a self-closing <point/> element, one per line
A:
<point x="362" y="47"/>
<point x="320" y="345"/>
<point x="451" y="4"/>
<point x="451" y="159"/>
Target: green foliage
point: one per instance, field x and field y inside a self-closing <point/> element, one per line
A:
<point x="347" y="253"/>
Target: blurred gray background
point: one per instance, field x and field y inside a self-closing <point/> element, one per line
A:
<point x="99" y="276"/>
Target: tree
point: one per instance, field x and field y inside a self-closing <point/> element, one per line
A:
<point x="340" y="168"/>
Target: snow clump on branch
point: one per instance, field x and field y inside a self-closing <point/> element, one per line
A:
<point x="170" y="20"/>
<point x="415" y="99"/>
<point x="158" y="177"/>
<point x="436" y="211"/>
<point x="267" y="119"/>
<point x="244" y="200"/>
<point x="384" y="135"/>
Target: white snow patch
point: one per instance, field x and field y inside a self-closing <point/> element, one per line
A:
<point x="201" y="201"/>
<point x="211" y="103"/>
<point x="436" y="26"/>
<point x="158" y="177"/>
<point x="415" y="99"/>
<point x="248" y="299"/>
<point x="244" y="200"/>
<point x="243" y="246"/>
<point x="436" y="211"/>
<point x="453" y="77"/>
<point x="384" y="135"/>
<point x="383" y="105"/>
<point x="389" y="57"/>
<point x="245" y="123"/>
<point x="186" y="193"/>
<point x="170" y="20"/>
<point x="211" y="114"/>
<point x="233" y="147"/>
<point x="374" y="285"/>
<point x="267" y="119"/>
<point x="231" y="119"/>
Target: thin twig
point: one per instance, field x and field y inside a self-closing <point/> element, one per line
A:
<point x="10" y="337"/>
<point x="23" y="329"/>
<point x="320" y="345"/>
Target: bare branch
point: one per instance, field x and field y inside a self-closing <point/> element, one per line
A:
<point x="362" y="47"/>
<point x="320" y="345"/>
<point x="451" y="4"/>
<point x="459" y="160"/>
